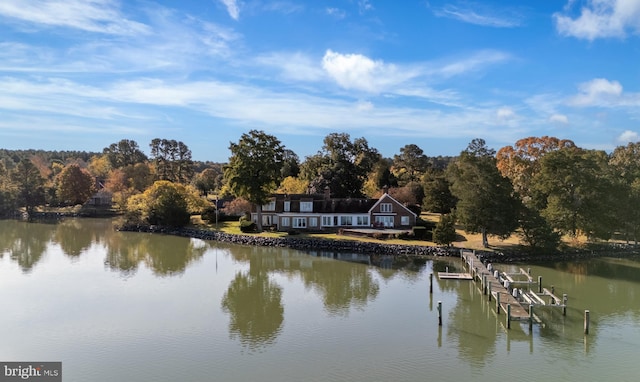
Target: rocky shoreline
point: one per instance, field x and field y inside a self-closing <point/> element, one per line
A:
<point x="381" y="249"/>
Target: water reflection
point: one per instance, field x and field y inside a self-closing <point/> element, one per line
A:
<point x="25" y="242"/>
<point x="164" y="255"/>
<point x="75" y="236"/>
<point x="254" y="303"/>
<point x="341" y="285"/>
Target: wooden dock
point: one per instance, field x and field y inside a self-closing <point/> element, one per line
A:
<point x="492" y="286"/>
<point x="454" y="276"/>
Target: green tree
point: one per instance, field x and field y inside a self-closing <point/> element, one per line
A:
<point x="437" y="193"/>
<point x="625" y="165"/>
<point x="207" y="180"/>
<point x="341" y="165"/>
<point x="30" y="185"/>
<point x="164" y="203"/>
<point x="172" y="160"/>
<point x="536" y="232"/>
<point x="124" y="153"/>
<point x="254" y="170"/>
<point x="445" y="231"/>
<point x="486" y="201"/>
<point x="573" y="191"/>
<point x="75" y="185"/>
<point x="410" y="164"/>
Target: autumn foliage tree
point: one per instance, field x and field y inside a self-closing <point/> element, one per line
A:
<point x="75" y="185"/>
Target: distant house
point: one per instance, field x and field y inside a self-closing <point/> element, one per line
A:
<point x="101" y="198"/>
<point x="322" y="212"/>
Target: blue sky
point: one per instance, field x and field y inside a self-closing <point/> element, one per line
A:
<point x="82" y="74"/>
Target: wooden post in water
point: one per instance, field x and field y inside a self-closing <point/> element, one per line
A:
<point x="489" y="288"/>
<point x="508" y="316"/>
<point x="431" y="283"/>
<point x="531" y="318"/>
<point x="498" y="302"/>
<point x="539" y="284"/>
<point x="446" y="269"/>
<point x="586" y="322"/>
<point x="439" y="313"/>
<point x="564" y="304"/>
<point x="484" y="284"/>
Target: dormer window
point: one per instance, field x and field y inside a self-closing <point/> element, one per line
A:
<point x="271" y="206"/>
<point x="306" y="206"/>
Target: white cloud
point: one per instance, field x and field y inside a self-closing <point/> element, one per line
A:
<point x="559" y="119"/>
<point x="102" y="16"/>
<point x="232" y="8"/>
<point x="364" y="106"/>
<point x="475" y="62"/>
<point x="336" y="12"/>
<point x="294" y="66"/>
<point x="600" y="19"/>
<point x="597" y="92"/>
<point x="482" y="16"/>
<point x="358" y="72"/>
<point x="505" y="114"/>
<point x="629" y="136"/>
<point x="365" y="5"/>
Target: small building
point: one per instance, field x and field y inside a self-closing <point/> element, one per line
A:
<point x="318" y="212"/>
<point x="102" y="198"/>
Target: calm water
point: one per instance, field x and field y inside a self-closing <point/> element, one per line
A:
<point x="136" y="307"/>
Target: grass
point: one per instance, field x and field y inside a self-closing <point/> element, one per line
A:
<point x="466" y="240"/>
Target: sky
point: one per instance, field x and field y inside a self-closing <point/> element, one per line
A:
<point x="82" y="74"/>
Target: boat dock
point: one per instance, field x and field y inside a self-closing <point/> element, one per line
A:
<point x="506" y="289"/>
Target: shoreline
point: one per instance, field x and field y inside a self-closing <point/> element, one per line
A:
<point x="380" y="249"/>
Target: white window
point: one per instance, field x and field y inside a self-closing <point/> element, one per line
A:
<point x="287" y="206"/>
<point x="363" y="220"/>
<point x="285" y="222"/>
<point x="386" y="207"/>
<point x="313" y="222"/>
<point x="404" y="220"/>
<point x="387" y="221"/>
<point x="327" y="221"/>
<point x="271" y="206"/>
<point x="346" y="220"/>
<point x="306" y="206"/>
<point x="267" y="219"/>
<point x="299" y="223"/>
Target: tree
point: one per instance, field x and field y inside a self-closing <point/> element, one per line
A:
<point x="124" y="153"/>
<point x="172" y="160"/>
<point x="573" y="191"/>
<point x="410" y="164"/>
<point x="341" y="165"/>
<point x="30" y="185"/>
<point x="486" y="201"/>
<point x="165" y="203"/>
<point x="75" y="185"/>
<point x="536" y="232"/>
<point x="292" y="185"/>
<point x="625" y="166"/>
<point x="254" y="170"/>
<point x="437" y="193"/>
<point x="207" y="180"/>
<point x="445" y="231"/>
<point x="290" y="164"/>
<point x="521" y="162"/>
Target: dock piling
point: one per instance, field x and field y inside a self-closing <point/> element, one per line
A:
<point x="539" y="284"/>
<point x="498" y="302"/>
<point x="564" y="304"/>
<point x="439" y="313"/>
<point x="586" y="321"/>
<point x="508" y="316"/>
<point x="531" y="318"/>
<point x="431" y="283"/>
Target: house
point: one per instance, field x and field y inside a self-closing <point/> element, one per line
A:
<point x="322" y="212"/>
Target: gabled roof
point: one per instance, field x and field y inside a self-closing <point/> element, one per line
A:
<point x="387" y="196"/>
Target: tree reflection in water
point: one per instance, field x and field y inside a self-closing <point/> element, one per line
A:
<point x="25" y="242"/>
<point x="254" y="304"/>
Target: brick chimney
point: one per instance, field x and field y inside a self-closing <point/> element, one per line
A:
<point x="327" y="193"/>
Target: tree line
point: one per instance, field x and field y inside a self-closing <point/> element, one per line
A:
<point x="540" y="187"/>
